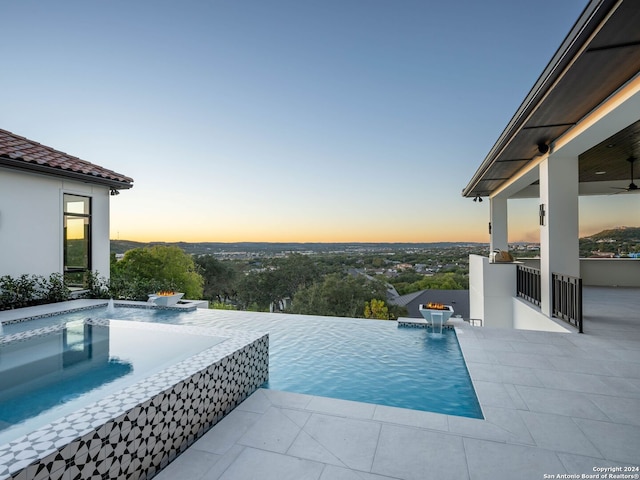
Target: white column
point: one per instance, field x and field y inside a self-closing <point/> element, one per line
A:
<point x="499" y="224"/>
<point x="559" y="252"/>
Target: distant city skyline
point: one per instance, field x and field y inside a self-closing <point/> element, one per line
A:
<point x="286" y="121"/>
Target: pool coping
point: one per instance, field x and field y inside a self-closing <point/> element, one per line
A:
<point x="8" y="317"/>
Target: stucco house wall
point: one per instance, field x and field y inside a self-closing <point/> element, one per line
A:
<point x="31" y="223"/>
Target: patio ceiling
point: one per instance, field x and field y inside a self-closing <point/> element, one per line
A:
<point x="599" y="56"/>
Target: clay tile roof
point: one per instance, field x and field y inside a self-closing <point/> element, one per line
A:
<point x="25" y="153"/>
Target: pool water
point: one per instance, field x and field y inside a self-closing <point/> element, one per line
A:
<point x="370" y="361"/>
<point x="46" y="373"/>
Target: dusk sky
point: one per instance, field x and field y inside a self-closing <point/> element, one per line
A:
<point x="318" y="121"/>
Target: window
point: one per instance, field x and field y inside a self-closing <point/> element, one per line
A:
<point x="77" y="239"/>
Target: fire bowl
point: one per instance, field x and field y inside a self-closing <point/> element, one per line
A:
<point x="165" y="300"/>
<point x="426" y="312"/>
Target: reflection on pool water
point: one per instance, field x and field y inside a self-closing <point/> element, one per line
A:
<point x="369" y="361"/>
<point x="49" y="372"/>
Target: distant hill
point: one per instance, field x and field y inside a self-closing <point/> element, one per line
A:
<point x="620" y="241"/>
<point x="197" y="248"/>
<point x="619" y="234"/>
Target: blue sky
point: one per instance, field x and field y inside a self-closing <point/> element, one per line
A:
<point x="285" y="120"/>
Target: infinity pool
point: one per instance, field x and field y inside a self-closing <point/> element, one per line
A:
<point x="368" y="361"/>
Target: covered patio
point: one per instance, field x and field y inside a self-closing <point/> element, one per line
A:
<point x="577" y="133"/>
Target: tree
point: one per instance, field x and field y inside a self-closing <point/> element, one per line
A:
<point x="439" y="281"/>
<point x="219" y="278"/>
<point x="337" y="295"/>
<point x="280" y="279"/>
<point x="376" y="309"/>
<point x="159" y="267"/>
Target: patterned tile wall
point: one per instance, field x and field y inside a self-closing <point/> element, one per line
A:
<point x="137" y="432"/>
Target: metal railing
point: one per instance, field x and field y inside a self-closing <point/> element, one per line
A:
<point x="528" y="284"/>
<point x="567" y="299"/>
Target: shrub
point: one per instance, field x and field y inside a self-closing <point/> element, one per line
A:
<point x="28" y="290"/>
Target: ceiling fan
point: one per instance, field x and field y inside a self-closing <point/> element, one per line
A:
<point x="632" y="186"/>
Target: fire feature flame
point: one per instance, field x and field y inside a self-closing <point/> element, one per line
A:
<point x="165" y="293"/>
<point x="436" y="306"/>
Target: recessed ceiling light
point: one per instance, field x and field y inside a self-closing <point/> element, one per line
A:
<point x="600" y="172"/>
<point x="611" y="145"/>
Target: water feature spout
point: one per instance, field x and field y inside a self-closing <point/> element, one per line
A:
<point x="111" y="309"/>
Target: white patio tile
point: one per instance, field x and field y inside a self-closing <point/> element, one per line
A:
<point x="616" y="442"/>
<point x="344" y="408"/>
<point x="477" y="355"/>
<point x="483" y="372"/>
<point x="298" y="417"/>
<point x="332" y="472"/>
<point x="575" y="382"/>
<point x="221" y="465"/>
<point x="192" y="464"/>
<point x="252" y="464"/>
<point x="623" y="369"/>
<point x="515" y="396"/>
<point x="414" y="418"/>
<point x="287" y="399"/>
<point x="594" y="366"/>
<point x="497" y="461"/>
<point x="559" y="402"/>
<point x="414" y="454"/>
<point x="493" y="394"/>
<point x="510" y="421"/>
<point x="496" y="345"/>
<point x="517" y="359"/>
<point x="227" y="432"/>
<point x="558" y="433"/>
<point x="305" y="446"/>
<point x="353" y="442"/>
<point x="623" y="386"/>
<point x="476" y="428"/>
<point x="505" y="334"/>
<point x="467" y="341"/>
<point x="274" y="431"/>
<point x="548" y="338"/>
<point x="635" y="381"/>
<point x="619" y="409"/>
<point x="536" y="348"/>
<point x="578" y="353"/>
<point x="627" y="353"/>
<point x="518" y="375"/>
<point x="257" y="402"/>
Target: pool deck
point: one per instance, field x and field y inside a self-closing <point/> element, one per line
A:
<point x="553" y="403"/>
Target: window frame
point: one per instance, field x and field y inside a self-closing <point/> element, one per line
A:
<point x="73" y="270"/>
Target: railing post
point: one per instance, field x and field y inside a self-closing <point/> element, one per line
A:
<point x="528" y="284"/>
<point x="567" y="299"/>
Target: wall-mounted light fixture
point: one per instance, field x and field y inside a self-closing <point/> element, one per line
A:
<point x="542" y="214"/>
<point x="489" y="228"/>
<point x="543" y="148"/>
<point x="477" y="198"/>
<point x="113" y="192"/>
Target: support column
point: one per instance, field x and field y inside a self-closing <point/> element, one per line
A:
<point x="499" y="224"/>
<point x="559" y="250"/>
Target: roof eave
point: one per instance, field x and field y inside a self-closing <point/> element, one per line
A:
<point x="19" y="164"/>
<point x="580" y="33"/>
